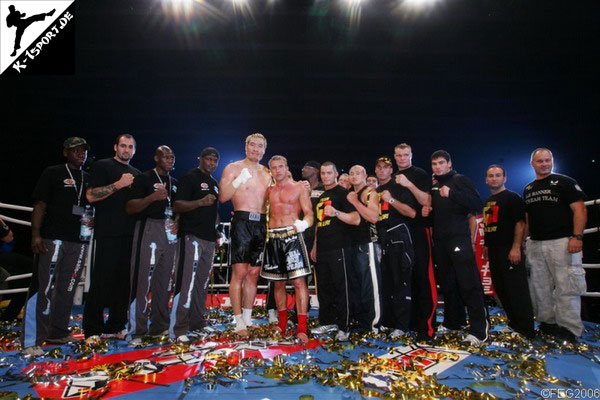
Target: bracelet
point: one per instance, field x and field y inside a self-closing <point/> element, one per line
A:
<point x="577" y="237"/>
<point x="392" y="201"/>
<point x="337" y="213"/>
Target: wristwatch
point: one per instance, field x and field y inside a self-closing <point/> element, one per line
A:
<point x="337" y="213"/>
<point x="392" y="201"/>
<point x="578" y="237"/>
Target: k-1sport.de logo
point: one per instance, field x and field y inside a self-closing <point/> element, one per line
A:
<point x="37" y="37"/>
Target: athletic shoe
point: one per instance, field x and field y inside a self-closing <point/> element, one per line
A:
<point x="549" y="329"/>
<point x="33" y="351"/>
<point x="342" y="336"/>
<point x="63" y="340"/>
<point x="396" y="333"/>
<point x="117" y="335"/>
<point x="273" y="316"/>
<point x="323" y="329"/>
<point x="135" y="342"/>
<point x="183" y="339"/>
<point x="442" y="330"/>
<point x="472" y="340"/>
<point x="506" y="329"/>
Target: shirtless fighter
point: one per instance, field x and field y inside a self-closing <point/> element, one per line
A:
<point x="245" y="183"/>
<point x="286" y="256"/>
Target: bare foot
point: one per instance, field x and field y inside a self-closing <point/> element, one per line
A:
<point x="303" y="337"/>
<point x="243" y="333"/>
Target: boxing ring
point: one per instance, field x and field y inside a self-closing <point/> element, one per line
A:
<point x="271" y="366"/>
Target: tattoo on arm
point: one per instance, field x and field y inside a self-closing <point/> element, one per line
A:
<point x="103" y="191"/>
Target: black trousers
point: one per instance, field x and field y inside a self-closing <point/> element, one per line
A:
<point x="510" y="283"/>
<point x="332" y="287"/>
<point x="396" y="273"/>
<point x="109" y="286"/>
<point x="364" y="284"/>
<point x="461" y="285"/>
<point x="424" y="290"/>
<point x="15" y="264"/>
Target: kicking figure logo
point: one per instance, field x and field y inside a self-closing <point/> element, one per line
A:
<point x="18" y="20"/>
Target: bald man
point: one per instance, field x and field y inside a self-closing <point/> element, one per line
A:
<point x="556" y="215"/>
<point x="154" y="248"/>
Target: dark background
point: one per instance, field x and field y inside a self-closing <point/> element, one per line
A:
<point x="487" y="80"/>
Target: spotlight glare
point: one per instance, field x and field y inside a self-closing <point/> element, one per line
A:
<point x="416" y="6"/>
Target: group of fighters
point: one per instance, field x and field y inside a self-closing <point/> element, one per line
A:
<point x="371" y="245"/>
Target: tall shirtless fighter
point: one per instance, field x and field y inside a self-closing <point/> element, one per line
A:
<point x="245" y="183"/>
<point x="286" y="256"/>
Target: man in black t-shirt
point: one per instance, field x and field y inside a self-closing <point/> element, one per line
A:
<point x="424" y="290"/>
<point x="397" y="208"/>
<point x="504" y="227"/>
<point x="59" y="253"/>
<point x="110" y="187"/>
<point x="196" y="202"/>
<point x="453" y="198"/>
<point x="331" y="251"/>
<point x="365" y="274"/>
<point x="556" y="215"/>
<point x="154" y="248"/>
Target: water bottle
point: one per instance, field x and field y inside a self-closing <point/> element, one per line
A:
<point x="169" y="224"/>
<point x="85" y="231"/>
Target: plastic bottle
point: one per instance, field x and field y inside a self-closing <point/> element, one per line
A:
<point x="169" y="224"/>
<point x="85" y="231"/>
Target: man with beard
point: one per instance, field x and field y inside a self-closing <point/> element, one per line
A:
<point x="196" y="203"/>
<point x="331" y="252"/>
<point x="365" y="275"/>
<point x="153" y="247"/>
<point x="245" y="183"/>
<point x="397" y="208"/>
<point x="59" y="252"/>
<point x="285" y="256"/>
<point x="424" y="291"/>
<point x="454" y="197"/>
<point x="110" y="188"/>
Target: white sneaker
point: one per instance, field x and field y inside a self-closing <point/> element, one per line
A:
<point x="135" y="342"/>
<point x="323" y="329"/>
<point x="506" y="329"/>
<point x="33" y="351"/>
<point x="442" y="330"/>
<point x="117" y="335"/>
<point x="396" y="333"/>
<point x="183" y="339"/>
<point x="342" y="336"/>
<point x="472" y="341"/>
<point x="273" y="316"/>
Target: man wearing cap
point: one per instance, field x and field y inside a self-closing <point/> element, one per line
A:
<point x="154" y="247"/>
<point x="109" y="191"/>
<point x="59" y="203"/>
<point x="196" y="203"/>
<point x="397" y="208"/>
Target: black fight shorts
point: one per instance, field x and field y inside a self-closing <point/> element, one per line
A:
<point x="285" y="255"/>
<point x="248" y="234"/>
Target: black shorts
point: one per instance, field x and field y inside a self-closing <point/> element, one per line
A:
<point x="285" y="255"/>
<point x="248" y="234"/>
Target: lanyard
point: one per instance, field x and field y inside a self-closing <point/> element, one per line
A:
<point x="162" y="183"/>
<point x="80" y="191"/>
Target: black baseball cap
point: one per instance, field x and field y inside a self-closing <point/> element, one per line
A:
<point x="210" y="151"/>
<point x="313" y="164"/>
